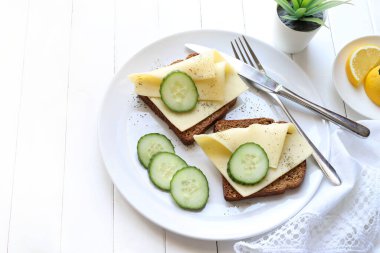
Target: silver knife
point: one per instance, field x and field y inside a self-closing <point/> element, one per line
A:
<point x="324" y="165"/>
<point x="269" y="85"/>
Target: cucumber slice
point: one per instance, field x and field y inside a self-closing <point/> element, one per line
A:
<point x="249" y="164"/>
<point x="189" y="188"/>
<point x="162" y="167"/>
<point x="178" y="92"/>
<point x="150" y="144"/>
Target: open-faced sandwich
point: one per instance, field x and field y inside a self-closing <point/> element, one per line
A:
<point x="257" y="157"/>
<point x="192" y="94"/>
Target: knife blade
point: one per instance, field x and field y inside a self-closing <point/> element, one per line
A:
<point x="262" y="81"/>
<point x="243" y="69"/>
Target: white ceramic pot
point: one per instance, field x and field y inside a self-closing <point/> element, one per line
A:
<point x="289" y="40"/>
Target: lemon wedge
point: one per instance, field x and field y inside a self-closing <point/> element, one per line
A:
<point x="372" y="85"/>
<point x="360" y="62"/>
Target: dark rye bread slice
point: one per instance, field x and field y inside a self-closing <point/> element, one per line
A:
<point x="290" y="180"/>
<point x="187" y="136"/>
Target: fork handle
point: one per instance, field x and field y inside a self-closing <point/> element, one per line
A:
<point x="330" y="115"/>
<point x="324" y="165"/>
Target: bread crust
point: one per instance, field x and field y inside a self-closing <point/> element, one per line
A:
<point x="290" y="180"/>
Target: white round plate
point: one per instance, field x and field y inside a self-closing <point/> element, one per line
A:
<point x="124" y="119"/>
<point x="356" y="98"/>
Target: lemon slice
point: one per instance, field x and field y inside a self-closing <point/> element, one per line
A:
<point x="360" y="62"/>
<point x="372" y="85"/>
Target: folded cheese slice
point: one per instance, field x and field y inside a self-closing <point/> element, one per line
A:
<point x="198" y="67"/>
<point x="285" y="148"/>
<point x="207" y="71"/>
<point x="217" y="83"/>
<point x="234" y="87"/>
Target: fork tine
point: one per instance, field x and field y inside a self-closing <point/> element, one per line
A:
<point x="246" y="53"/>
<point x="241" y="53"/>
<point x="259" y="66"/>
<point x="233" y="49"/>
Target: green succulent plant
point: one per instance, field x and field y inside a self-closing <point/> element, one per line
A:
<point x="304" y="10"/>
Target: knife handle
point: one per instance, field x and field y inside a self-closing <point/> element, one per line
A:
<point x="330" y="115"/>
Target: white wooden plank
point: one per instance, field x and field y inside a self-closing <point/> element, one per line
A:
<point x="133" y="232"/>
<point x="135" y="27"/>
<point x="173" y="20"/>
<point x="37" y="196"/>
<point x="317" y="61"/>
<point x="223" y="15"/>
<point x="11" y="65"/>
<point x="87" y="221"/>
<point x="374" y="8"/>
<point x="129" y="226"/>
<point x="259" y="19"/>
<point x="359" y="25"/>
<point x="179" y="244"/>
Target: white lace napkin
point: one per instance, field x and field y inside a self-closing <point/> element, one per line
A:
<point x="342" y="218"/>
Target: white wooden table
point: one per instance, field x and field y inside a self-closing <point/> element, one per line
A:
<point x="57" y="58"/>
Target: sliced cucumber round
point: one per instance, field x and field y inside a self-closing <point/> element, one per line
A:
<point x="249" y="164"/>
<point x="162" y="167"/>
<point x="178" y="92"/>
<point x="189" y="188"/>
<point x="150" y="144"/>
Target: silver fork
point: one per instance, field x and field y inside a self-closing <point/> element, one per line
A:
<point x="327" y="169"/>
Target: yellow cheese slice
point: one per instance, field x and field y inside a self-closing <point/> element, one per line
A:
<point x="213" y="88"/>
<point x="234" y="86"/>
<point x="198" y="67"/>
<point x="285" y="148"/>
<point x="217" y="83"/>
<point x="270" y="137"/>
<point x="207" y="71"/>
